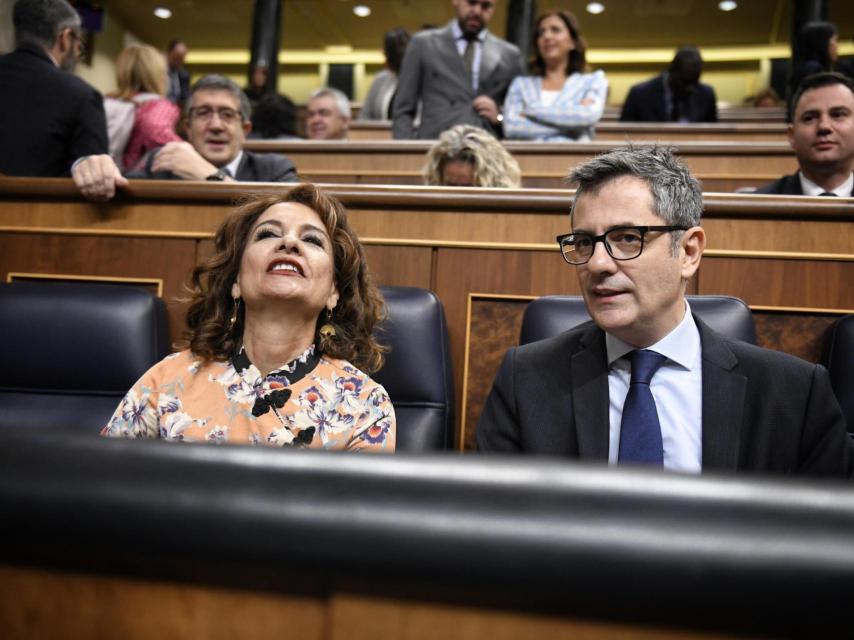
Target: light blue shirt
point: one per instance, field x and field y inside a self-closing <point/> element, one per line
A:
<point x="677" y="387"/>
<point x="478" y="51"/>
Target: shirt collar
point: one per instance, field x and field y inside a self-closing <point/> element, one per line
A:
<point x="231" y="167"/>
<point x="458" y="32"/>
<point x="290" y="372"/>
<point x="810" y="188"/>
<point x="680" y="345"/>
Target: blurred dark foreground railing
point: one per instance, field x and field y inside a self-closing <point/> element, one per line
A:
<point x="494" y="537"/>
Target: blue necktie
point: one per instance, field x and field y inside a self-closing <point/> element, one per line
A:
<point x="640" y="431"/>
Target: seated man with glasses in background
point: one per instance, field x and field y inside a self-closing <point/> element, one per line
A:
<point x="647" y="382"/>
<point x="217" y="118"/>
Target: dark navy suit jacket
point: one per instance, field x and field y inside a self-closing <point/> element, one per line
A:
<point x="646" y="103"/>
<point x="253" y="167"/>
<point x="763" y="410"/>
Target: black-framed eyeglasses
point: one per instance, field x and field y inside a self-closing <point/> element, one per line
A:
<point x="205" y="113"/>
<point x="621" y="243"/>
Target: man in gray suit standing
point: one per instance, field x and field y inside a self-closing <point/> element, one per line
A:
<point x="459" y="74"/>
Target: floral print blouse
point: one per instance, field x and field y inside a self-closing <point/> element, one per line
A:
<point x="314" y="401"/>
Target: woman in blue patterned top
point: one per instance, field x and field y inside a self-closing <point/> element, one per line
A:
<point x="560" y="102"/>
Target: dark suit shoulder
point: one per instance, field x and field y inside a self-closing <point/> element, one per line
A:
<point x="543" y="351"/>
<point x="787" y="185"/>
<point x="267" y="167"/>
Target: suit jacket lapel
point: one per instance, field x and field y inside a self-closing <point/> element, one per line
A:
<point x="590" y="396"/>
<point x="447" y="51"/>
<point x="723" y="402"/>
<point x="489" y="59"/>
<point x="245" y="172"/>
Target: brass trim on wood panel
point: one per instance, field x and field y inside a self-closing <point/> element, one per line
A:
<point x="761" y="308"/>
<point x="432" y="243"/>
<point x="123" y="233"/>
<point x="464" y="402"/>
<point x="777" y="255"/>
<point x="14" y="276"/>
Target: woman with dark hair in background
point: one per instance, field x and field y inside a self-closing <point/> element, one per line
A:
<point x="280" y="329"/>
<point x="816" y="50"/>
<point x="560" y="101"/>
<point x="377" y="105"/>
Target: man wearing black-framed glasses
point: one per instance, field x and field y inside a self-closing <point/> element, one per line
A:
<point x="49" y="117"/>
<point x="647" y="382"/>
<point x="217" y="118"/>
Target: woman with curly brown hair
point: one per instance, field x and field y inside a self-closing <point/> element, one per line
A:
<point x="288" y="283"/>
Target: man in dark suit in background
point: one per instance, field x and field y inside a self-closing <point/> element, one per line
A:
<point x="459" y="74"/>
<point x="822" y="136"/>
<point x="677" y="95"/>
<point x="217" y="117"/>
<point x="178" y="89"/>
<point x="48" y="116"/>
<point x="646" y="381"/>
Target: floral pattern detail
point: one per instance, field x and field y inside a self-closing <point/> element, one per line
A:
<point x="183" y="399"/>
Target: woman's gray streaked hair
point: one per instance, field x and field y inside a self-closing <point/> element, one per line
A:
<point x="493" y="166"/>
<point x="677" y="197"/>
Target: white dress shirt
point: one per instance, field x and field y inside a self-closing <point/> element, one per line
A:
<point x="810" y="188"/>
<point x="461" y="41"/>
<point x="677" y="388"/>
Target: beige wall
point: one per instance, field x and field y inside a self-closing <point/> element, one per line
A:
<point x="7" y="30"/>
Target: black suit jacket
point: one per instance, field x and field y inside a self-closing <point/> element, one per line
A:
<point x="48" y="117"/>
<point x="646" y="103"/>
<point x="253" y="167"/>
<point x="762" y="410"/>
<point x="786" y="186"/>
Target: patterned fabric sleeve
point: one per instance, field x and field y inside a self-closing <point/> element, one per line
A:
<point x="137" y="414"/>
<point x="568" y="111"/>
<point x="526" y="119"/>
<point x="378" y="433"/>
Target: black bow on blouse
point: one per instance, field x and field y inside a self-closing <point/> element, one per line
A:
<point x="304" y="437"/>
<point x="276" y="399"/>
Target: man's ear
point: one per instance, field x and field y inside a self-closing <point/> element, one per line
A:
<point x="790" y="135"/>
<point x="247" y="127"/>
<point x="693" y="244"/>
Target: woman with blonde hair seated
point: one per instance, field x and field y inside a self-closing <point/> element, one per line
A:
<point x="280" y="329"/>
<point x="139" y="117"/>
<point x="561" y="101"/>
<point x="467" y="156"/>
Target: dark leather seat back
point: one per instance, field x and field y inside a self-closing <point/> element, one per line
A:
<point x="550" y="315"/>
<point x="839" y="360"/>
<point x="72" y="350"/>
<point x="417" y="372"/>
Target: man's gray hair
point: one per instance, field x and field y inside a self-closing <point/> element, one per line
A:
<point x="216" y="82"/>
<point x="342" y="103"/>
<point x="41" y="21"/>
<point x="677" y="197"/>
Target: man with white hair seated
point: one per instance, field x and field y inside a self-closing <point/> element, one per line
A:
<point x="328" y="116"/>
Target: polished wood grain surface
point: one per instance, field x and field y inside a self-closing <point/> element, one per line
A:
<point x="43" y="603"/>
<point x="666" y="132"/>
<point x="720" y="165"/>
